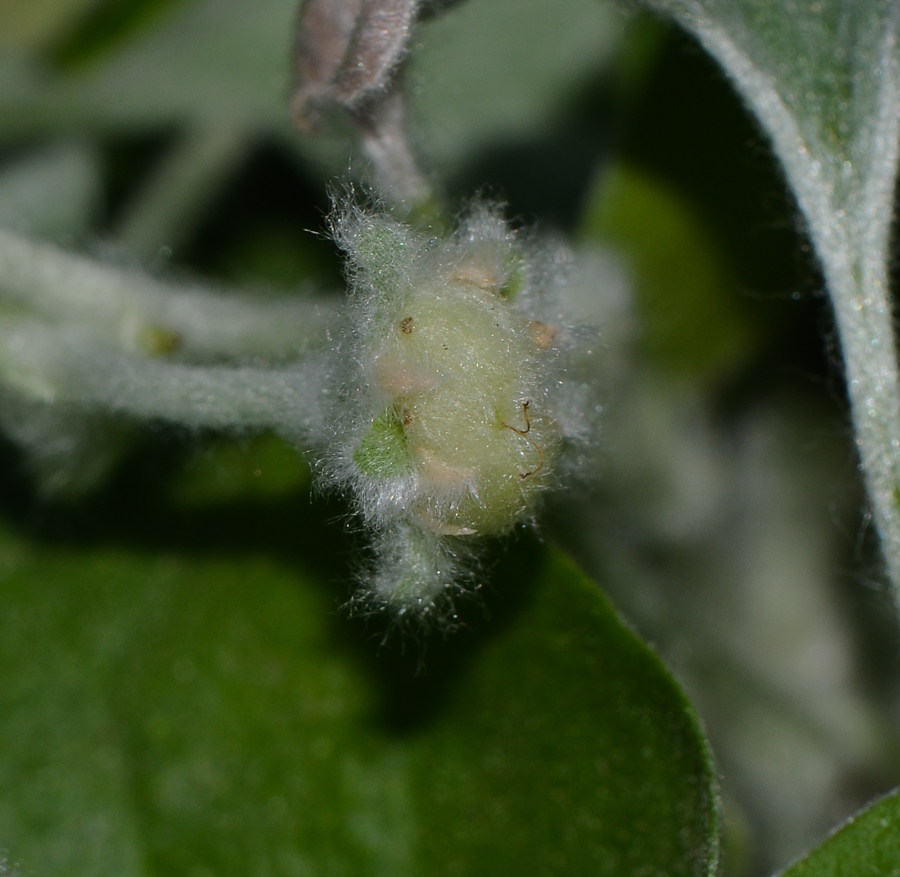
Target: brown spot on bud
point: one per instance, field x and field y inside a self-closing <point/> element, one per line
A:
<point x="480" y="276"/>
<point x="541" y="334"/>
<point x="397" y="379"/>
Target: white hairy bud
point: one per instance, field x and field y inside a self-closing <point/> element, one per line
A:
<point x="453" y="433"/>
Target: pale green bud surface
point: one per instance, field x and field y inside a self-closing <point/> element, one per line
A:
<point x="456" y="369"/>
<point x="454" y="435"/>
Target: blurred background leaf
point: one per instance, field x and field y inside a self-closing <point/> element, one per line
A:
<point x="691" y="321"/>
<point x="26" y="25"/>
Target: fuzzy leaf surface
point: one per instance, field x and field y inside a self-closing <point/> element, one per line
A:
<point x="820" y="65"/>
<point x="823" y="78"/>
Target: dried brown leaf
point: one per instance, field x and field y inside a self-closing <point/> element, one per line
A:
<point x="345" y="51"/>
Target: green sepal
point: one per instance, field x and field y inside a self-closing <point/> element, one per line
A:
<point x="384" y="451"/>
<point x="383" y="249"/>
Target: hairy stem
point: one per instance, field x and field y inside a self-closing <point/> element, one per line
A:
<point x="383" y="130"/>
<point x="54" y="364"/>
<point x="127" y="307"/>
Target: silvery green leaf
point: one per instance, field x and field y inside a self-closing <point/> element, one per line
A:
<point x="50" y="192"/>
<point x="227" y="63"/>
<point x="493" y="71"/>
<point x="823" y="78"/>
<point x="219" y="61"/>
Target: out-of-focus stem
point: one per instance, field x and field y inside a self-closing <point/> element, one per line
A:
<point x="125" y="307"/>
<point x="167" y="209"/>
<point x="59" y="365"/>
<point x="383" y="131"/>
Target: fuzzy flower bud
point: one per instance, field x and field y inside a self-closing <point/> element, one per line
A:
<point x="452" y="433"/>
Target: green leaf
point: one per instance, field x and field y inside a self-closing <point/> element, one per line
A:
<point x="383" y="452"/>
<point x="226" y="471"/>
<point x="51" y="192"/>
<point x="493" y="71"/>
<point x="107" y="23"/>
<point x="182" y="713"/>
<point x="209" y="61"/>
<point x="27" y="24"/>
<point x="823" y="78"/>
<point x="691" y="319"/>
<point x="867" y="845"/>
<point x="566" y="749"/>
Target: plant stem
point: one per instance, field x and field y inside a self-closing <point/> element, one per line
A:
<point x="120" y="306"/>
<point x="166" y="210"/>
<point x="60" y="365"/>
<point x="382" y="127"/>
